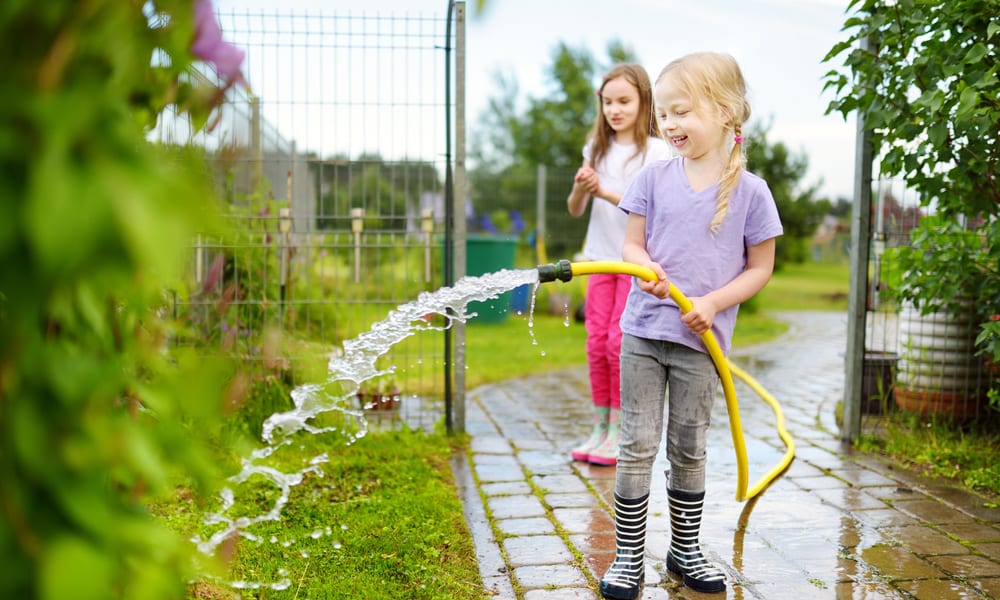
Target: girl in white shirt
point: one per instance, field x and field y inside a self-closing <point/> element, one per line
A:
<point x="624" y="138"/>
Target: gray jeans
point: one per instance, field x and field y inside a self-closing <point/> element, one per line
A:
<point x="649" y="368"/>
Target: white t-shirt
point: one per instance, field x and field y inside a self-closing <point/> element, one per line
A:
<point x="606" y="230"/>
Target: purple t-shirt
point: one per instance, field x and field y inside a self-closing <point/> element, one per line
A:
<point x="679" y="239"/>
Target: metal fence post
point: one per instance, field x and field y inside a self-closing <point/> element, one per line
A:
<point x="455" y="231"/>
<point x="458" y="406"/>
<point x="858" y="291"/>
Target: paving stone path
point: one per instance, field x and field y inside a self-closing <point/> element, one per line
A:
<point x="837" y="524"/>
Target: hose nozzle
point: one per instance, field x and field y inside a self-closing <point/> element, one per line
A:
<point x="561" y="270"/>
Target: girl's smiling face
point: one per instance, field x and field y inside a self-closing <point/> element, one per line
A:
<point x="620" y="105"/>
<point x="692" y="129"/>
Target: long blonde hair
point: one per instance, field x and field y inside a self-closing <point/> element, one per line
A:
<point x="715" y="78"/>
<point x="602" y="132"/>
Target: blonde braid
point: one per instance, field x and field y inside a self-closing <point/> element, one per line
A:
<point x="730" y="179"/>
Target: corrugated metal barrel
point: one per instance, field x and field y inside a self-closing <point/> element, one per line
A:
<point x="938" y="370"/>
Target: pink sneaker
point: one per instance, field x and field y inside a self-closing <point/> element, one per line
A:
<point x="606" y="453"/>
<point x="582" y="452"/>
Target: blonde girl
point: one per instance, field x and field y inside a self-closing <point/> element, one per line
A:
<point x="708" y="224"/>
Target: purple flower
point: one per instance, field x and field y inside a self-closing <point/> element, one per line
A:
<point x="209" y="46"/>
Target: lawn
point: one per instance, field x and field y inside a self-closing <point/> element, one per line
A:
<point x="383" y="522"/>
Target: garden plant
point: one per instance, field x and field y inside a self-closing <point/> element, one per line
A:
<point x="97" y="418"/>
<point x="922" y="75"/>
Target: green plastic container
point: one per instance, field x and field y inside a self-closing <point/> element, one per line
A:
<point x="489" y="254"/>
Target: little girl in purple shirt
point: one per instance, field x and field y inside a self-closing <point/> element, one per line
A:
<point x="708" y="225"/>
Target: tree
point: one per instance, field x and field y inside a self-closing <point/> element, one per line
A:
<point x="923" y="75"/>
<point x="783" y="171"/>
<point x="551" y="131"/>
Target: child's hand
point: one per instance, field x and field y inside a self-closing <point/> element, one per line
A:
<point x="587" y="178"/>
<point x="659" y="288"/>
<point x="701" y="316"/>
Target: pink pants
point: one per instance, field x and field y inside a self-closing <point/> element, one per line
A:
<point x="606" y="295"/>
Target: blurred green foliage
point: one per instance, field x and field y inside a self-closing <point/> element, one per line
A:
<point x="96" y="418"/>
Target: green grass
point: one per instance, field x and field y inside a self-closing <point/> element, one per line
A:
<point x="384" y="522"/>
<point x="966" y="456"/>
<point x="814" y="286"/>
<point x="808" y="286"/>
<point x="512" y="349"/>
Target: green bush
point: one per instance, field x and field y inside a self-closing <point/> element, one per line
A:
<point x="922" y="75"/>
<point x="97" y="418"/>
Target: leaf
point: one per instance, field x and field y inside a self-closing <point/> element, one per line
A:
<point x="932" y="99"/>
<point x="144" y="459"/>
<point x="73" y="568"/>
<point x="967" y="102"/>
<point x="937" y="133"/>
<point x="975" y="54"/>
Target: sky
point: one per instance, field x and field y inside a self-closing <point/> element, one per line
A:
<point x="780" y="45"/>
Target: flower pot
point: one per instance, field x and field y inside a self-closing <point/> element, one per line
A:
<point x="957" y="406"/>
<point x="378" y="401"/>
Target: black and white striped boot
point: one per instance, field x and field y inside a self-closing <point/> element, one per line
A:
<point x="624" y="576"/>
<point x="684" y="558"/>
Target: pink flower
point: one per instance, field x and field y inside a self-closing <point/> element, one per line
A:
<point x="209" y="46"/>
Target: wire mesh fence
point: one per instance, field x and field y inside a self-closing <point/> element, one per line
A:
<point x="332" y="169"/>
<point x="922" y="360"/>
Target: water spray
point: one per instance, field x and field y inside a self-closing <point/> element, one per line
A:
<point x="564" y="270"/>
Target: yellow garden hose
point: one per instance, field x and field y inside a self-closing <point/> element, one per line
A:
<point x="564" y="270"/>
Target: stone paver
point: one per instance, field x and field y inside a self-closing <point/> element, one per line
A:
<point x="837" y="524"/>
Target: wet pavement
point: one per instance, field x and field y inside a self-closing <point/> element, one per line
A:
<point x="837" y="524"/>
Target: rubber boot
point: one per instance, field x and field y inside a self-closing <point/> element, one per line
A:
<point x="600" y="431"/>
<point x="606" y="453"/>
<point x="684" y="558"/>
<point x="624" y="577"/>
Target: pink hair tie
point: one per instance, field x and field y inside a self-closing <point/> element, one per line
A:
<point x="739" y="139"/>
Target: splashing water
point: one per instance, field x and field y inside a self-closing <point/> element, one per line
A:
<point x="349" y="368"/>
